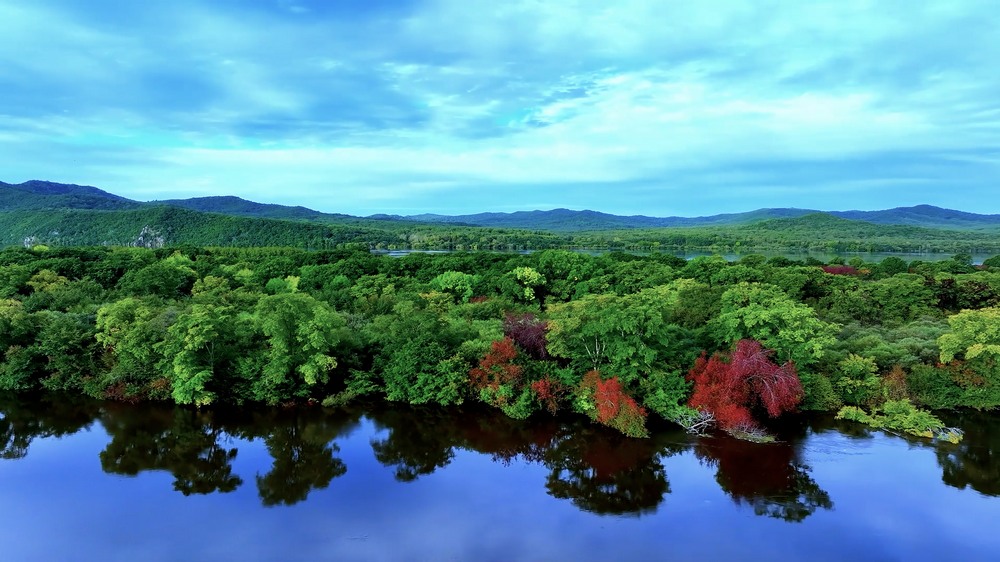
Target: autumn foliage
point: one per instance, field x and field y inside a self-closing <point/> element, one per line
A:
<point x="746" y="381"/>
<point x="497" y="367"/>
<point x="841" y="270"/>
<point x="612" y="406"/>
<point x="528" y="332"/>
<point x="549" y="393"/>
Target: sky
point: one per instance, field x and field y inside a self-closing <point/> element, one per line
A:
<point x="653" y="107"/>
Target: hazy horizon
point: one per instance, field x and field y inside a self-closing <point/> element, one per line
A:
<point x="453" y="107"/>
<point x="293" y="204"/>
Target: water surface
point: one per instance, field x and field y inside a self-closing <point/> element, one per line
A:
<point x="89" y="480"/>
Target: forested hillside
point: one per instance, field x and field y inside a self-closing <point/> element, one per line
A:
<point x="39" y="195"/>
<point x="65" y="215"/>
<point x="618" y="338"/>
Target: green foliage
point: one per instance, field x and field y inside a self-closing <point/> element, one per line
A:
<point x="68" y="346"/>
<point x="19" y="365"/>
<point x="766" y="314"/>
<point x="301" y="337"/>
<point x="207" y="325"/>
<point x="197" y="349"/>
<point x="167" y="278"/>
<point x="131" y="331"/>
<point x="818" y="392"/>
<point x="527" y="282"/>
<point x="858" y="382"/>
<point x="934" y="387"/>
<point x="907" y="345"/>
<point x="903" y="416"/>
<point x="415" y="346"/>
<point x="13" y="279"/>
<point x="630" y="336"/>
<point x="278" y="285"/>
<point x="891" y="266"/>
<point x="975" y="334"/>
<point x="457" y="284"/>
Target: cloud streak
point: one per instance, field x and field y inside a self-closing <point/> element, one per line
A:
<point x="450" y="106"/>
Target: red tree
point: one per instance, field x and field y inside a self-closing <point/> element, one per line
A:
<point x="550" y="393"/>
<point x="841" y="270"/>
<point x="733" y="387"/>
<point x="497" y="366"/>
<point x="613" y="407"/>
<point x="528" y="332"/>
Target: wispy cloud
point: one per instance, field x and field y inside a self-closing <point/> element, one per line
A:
<point x="456" y="106"/>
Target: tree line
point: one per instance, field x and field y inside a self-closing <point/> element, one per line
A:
<point x="157" y="226"/>
<point x="618" y="338"/>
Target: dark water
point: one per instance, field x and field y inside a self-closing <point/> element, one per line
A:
<point x="93" y="481"/>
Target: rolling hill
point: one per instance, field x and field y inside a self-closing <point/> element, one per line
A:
<point x="66" y="214"/>
<point x="42" y="195"/>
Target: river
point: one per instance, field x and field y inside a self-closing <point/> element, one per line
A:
<point x="83" y="480"/>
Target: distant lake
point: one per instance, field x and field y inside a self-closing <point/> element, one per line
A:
<point x="869" y="257"/>
<point x="103" y="481"/>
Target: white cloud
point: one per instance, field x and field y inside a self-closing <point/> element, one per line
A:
<point x="212" y="100"/>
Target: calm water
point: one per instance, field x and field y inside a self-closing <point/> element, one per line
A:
<point x="94" y="481"/>
<point x="825" y="257"/>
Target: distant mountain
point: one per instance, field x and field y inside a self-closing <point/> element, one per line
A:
<point x="565" y="220"/>
<point x="43" y="195"/>
<point x="926" y="216"/>
<point x="229" y="205"/>
<point x="76" y="214"/>
<point x="158" y="225"/>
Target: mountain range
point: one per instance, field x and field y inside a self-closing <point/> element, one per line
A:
<point x="44" y="195"/>
<point x="565" y="220"/>
<point x="44" y="212"/>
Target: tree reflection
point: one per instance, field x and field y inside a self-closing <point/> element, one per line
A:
<point x="304" y="454"/>
<point x="769" y="477"/>
<point x="599" y="470"/>
<point x="975" y="461"/>
<point x="606" y="473"/>
<point x="185" y="443"/>
<point x="506" y="439"/>
<point x="23" y="419"/>
<point x="420" y="441"/>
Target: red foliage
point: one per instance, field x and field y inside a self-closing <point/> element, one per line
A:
<point x="528" y="332"/>
<point x="732" y="387"/>
<point x="549" y="392"/>
<point x="614" y="407"/>
<point x="841" y="270"/>
<point x="497" y="366"/>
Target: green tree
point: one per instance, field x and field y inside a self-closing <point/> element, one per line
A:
<point x="67" y="344"/>
<point x="172" y="277"/>
<point x="131" y="331"/>
<point x="766" y="314"/>
<point x="628" y="337"/>
<point x="974" y="335"/>
<point x="20" y="365"/>
<point x="457" y="284"/>
<point x="975" y="340"/>
<point x="302" y="337"/>
<point x="527" y="281"/>
<point x="199" y="351"/>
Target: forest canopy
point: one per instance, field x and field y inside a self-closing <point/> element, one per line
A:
<point x="619" y="338"/>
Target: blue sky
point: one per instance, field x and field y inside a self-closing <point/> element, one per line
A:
<point x="649" y="107"/>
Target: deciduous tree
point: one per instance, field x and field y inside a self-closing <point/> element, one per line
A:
<point x="734" y="386"/>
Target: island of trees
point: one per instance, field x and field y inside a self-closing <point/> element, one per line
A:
<point x="623" y="339"/>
